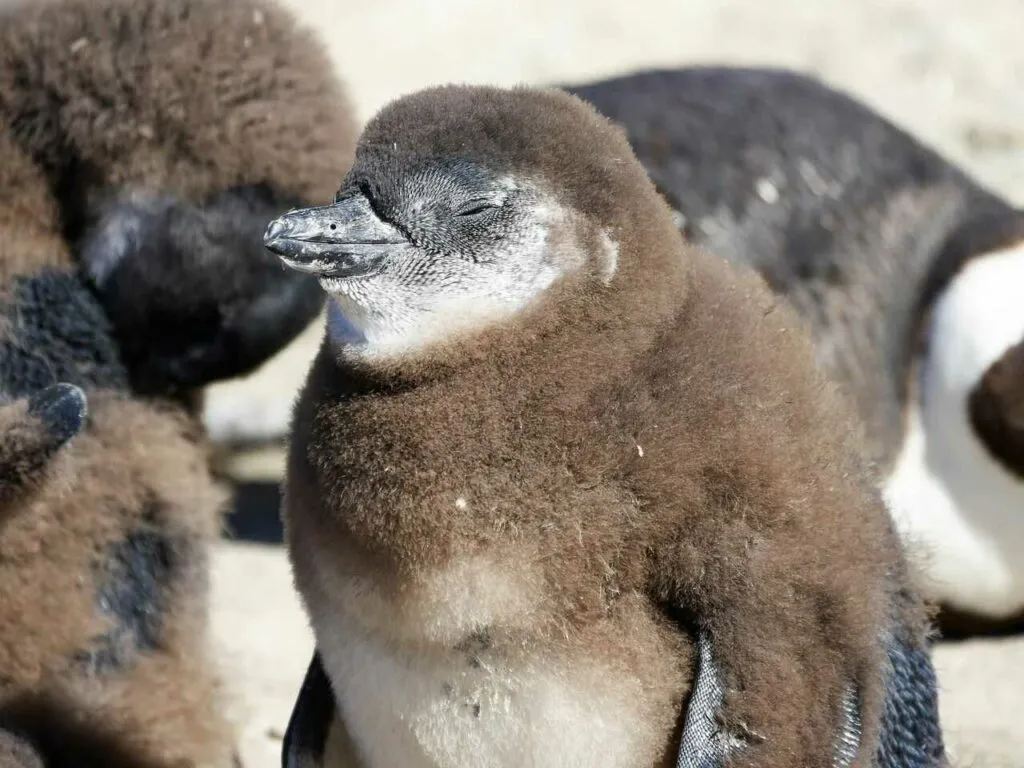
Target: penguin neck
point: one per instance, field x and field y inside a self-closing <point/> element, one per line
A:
<point x="949" y="495"/>
<point x="578" y="319"/>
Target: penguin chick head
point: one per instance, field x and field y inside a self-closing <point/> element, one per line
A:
<point x="464" y="207"/>
<point x="192" y="294"/>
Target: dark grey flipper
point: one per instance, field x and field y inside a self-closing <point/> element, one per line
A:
<point x="52" y="417"/>
<point x="706" y="745"/>
<point x="911" y="733"/>
<point x="911" y="736"/>
<point x="306" y="736"/>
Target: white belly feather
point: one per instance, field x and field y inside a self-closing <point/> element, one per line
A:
<point x="445" y="710"/>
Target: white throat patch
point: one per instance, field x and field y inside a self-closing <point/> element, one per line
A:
<point x="391" y="314"/>
<point x="954" y="502"/>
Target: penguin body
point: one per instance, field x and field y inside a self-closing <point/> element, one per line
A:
<point x="896" y="259"/>
<point x="545" y="445"/>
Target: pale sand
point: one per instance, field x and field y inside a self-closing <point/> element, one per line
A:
<point x="948" y="70"/>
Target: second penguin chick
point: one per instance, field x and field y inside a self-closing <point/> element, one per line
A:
<point x="545" y="443"/>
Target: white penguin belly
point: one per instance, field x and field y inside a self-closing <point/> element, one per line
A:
<point x="958" y="507"/>
<point x="438" y="707"/>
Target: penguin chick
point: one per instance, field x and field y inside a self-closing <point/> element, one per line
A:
<point x="181" y="126"/>
<point x="901" y="263"/>
<point x="104" y="644"/>
<point x="104" y="564"/>
<point x="545" y="443"/>
<point x="140" y="142"/>
<point x="32" y="431"/>
<point x="201" y="96"/>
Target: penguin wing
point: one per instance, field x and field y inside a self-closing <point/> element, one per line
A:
<point x="305" y="739"/>
<point x="706" y="745"/>
<point x="32" y="430"/>
<point x="910" y="735"/>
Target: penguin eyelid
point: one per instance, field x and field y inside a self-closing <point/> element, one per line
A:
<point x="477" y="207"/>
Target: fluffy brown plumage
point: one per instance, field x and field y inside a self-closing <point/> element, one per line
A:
<point x="143" y="148"/>
<point x="104" y="577"/>
<point x="879" y="242"/>
<point x="180" y="96"/>
<point x="642" y="449"/>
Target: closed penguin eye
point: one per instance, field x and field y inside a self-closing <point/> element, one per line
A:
<point x="476" y="207"/>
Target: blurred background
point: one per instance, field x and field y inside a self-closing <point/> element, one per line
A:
<point x="949" y="71"/>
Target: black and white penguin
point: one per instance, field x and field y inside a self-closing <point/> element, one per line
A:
<point x="548" y="454"/>
<point x="906" y="269"/>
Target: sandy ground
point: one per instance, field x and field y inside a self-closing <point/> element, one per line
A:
<point x="951" y="71"/>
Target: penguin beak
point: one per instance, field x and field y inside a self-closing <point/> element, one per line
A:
<point x="343" y="240"/>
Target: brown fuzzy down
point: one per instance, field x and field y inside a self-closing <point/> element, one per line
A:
<point x="164" y="702"/>
<point x="664" y="439"/>
<point x="29" y="216"/>
<point x="182" y="96"/>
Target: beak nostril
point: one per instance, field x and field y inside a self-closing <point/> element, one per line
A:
<point x="275" y="229"/>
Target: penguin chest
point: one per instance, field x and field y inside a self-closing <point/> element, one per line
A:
<point x="472" y="706"/>
<point x="459" y="672"/>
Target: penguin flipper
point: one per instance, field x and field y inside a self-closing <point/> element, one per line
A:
<point x="32" y="430"/>
<point x="911" y="710"/>
<point x="706" y="745"/>
<point x="305" y="739"/>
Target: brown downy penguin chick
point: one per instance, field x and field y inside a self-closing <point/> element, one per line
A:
<point x="905" y="267"/>
<point x="545" y="444"/>
<point x="104" y="654"/>
<point x="180" y="125"/>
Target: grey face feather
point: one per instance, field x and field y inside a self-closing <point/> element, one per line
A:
<point x="412" y="257"/>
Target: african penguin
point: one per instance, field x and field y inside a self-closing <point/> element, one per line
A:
<point x="906" y="270"/>
<point x="546" y="447"/>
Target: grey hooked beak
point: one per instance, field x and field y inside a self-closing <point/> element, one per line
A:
<point x="345" y="239"/>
